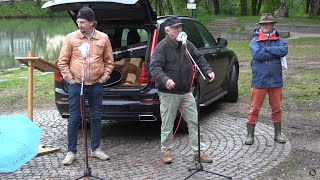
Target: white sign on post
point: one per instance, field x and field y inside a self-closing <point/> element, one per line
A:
<point x="191" y="5"/>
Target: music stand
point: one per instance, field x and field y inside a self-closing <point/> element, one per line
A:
<point x="43" y="66"/>
<point x="199" y="166"/>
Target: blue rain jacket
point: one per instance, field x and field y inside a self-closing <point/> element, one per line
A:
<point x="266" y="50"/>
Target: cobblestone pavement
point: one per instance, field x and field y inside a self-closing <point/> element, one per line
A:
<point x="134" y="149"/>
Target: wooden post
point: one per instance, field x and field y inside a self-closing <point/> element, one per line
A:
<point x="43" y="66"/>
<point x="30" y="85"/>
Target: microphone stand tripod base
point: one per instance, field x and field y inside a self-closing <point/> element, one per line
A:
<point x="84" y="116"/>
<point x="199" y="168"/>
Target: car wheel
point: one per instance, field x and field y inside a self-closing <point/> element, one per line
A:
<point x="233" y="93"/>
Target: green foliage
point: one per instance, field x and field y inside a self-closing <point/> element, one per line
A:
<point x="23" y="9"/>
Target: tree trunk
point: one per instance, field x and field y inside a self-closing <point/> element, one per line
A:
<point x="39" y="3"/>
<point x="254" y="7"/>
<point x="314" y="8"/>
<point x="216" y="5"/>
<point x="307" y="6"/>
<point x="160" y="5"/>
<point x="259" y="6"/>
<point x="244" y="7"/>
<point x="170" y="7"/>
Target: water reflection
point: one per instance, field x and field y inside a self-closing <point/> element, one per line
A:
<point x="43" y="36"/>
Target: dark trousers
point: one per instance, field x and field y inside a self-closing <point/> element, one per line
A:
<point x="94" y="94"/>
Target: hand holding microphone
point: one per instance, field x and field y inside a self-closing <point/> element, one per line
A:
<point x="182" y="37"/>
<point x="84" y="48"/>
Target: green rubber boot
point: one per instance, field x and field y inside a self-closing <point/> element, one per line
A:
<point x="250" y="135"/>
<point x="277" y="133"/>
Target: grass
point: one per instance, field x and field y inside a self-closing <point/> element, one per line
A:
<point x="291" y="20"/>
<point x="14" y="88"/>
<point x="302" y="83"/>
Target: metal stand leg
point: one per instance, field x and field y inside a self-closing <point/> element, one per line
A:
<point x="199" y="166"/>
<point x="84" y="116"/>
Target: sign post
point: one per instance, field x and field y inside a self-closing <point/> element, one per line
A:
<point x="43" y="66"/>
<point x="35" y="63"/>
<point x="191" y="5"/>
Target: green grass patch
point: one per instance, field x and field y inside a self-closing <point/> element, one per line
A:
<point x="242" y="49"/>
<point x="14" y="88"/>
<point x="245" y="84"/>
<point x="291" y="20"/>
<point x="304" y="88"/>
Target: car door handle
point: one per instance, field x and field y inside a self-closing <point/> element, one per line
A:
<point x="213" y="55"/>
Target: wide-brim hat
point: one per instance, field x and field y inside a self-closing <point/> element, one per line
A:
<point x="172" y="21"/>
<point x="266" y="18"/>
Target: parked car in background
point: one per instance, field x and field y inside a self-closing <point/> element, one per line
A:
<point x="134" y="31"/>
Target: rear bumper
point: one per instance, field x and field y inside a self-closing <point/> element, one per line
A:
<point x="137" y="107"/>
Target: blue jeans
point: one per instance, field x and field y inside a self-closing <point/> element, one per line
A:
<point x="94" y="95"/>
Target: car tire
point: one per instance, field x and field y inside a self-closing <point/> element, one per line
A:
<point x="233" y="92"/>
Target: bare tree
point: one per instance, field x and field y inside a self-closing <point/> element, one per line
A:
<point x="259" y="6"/>
<point x="216" y="5"/>
<point x="39" y="3"/>
<point x="314" y="8"/>
<point x="307" y="6"/>
<point x="254" y="7"/>
<point x="244" y="7"/>
<point x="169" y="5"/>
<point x="160" y="6"/>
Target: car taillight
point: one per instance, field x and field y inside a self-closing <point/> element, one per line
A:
<point x="154" y="41"/>
<point x="143" y="74"/>
<point x="57" y="75"/>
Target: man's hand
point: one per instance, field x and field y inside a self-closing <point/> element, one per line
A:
<point x="211" y="76"/>
<point x="72" y="81"/>
<point x="170" y="84"/>
<point x="101" y="81"/>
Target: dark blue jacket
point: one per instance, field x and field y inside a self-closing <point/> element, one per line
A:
<point x="266" y="50"/>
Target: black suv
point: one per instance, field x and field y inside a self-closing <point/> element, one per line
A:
<point x="134" y="31"/>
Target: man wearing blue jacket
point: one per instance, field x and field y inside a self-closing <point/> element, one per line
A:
<point x="267" y="49"/>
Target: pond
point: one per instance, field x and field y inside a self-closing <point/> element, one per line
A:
<point x="42" y="36"/>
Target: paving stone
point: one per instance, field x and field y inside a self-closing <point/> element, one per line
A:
<point x="135" y="154"/>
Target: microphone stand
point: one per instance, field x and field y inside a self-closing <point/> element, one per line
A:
<point x="84" y="116"/>
<point x="199" y="166"/>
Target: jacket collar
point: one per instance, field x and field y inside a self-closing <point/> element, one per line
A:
<point x="274" y="35"/>
<point x="80" y="35"/>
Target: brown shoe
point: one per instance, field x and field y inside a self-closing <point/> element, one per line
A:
<point x="167" y="158"/>
<point x="204" y="158"/>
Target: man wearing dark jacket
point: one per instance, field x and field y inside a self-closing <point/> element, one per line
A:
<point x="174" y="75"/>
<point x="267" y="49"/>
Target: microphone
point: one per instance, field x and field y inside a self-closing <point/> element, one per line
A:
<point x="84" y="48"/>
<point x="182" y="37"/>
